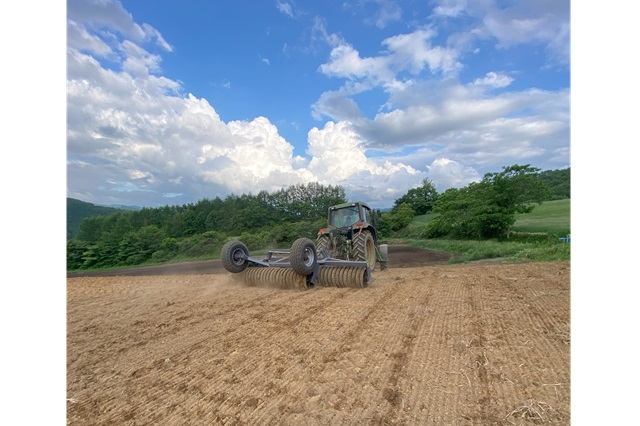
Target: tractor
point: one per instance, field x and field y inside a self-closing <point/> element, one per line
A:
<point x="351" y="235"/>
<point x="344" y="256"/>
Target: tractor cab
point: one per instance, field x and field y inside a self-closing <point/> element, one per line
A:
<point x="355" y="215"/>
<point x="344" y="217"/>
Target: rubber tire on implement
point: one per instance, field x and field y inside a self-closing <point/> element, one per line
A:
<point x="231" y="256"/>
<point x="303" y="256"/>
<point x="384" y="254"/>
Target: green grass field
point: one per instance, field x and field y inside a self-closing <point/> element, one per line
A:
<point x="552" y="217"/>
<point x="536" y="237"/>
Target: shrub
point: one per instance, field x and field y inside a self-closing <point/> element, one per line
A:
<point x="202" y="245"/>
<point x="255" y="240"/>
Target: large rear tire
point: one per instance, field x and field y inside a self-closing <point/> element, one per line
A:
<point x="303" y="256"/>
<point x="233" y="256"/>
<point x="364" y="248"/>
<point x="323" y="243"/>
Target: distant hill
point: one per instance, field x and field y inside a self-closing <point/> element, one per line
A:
<point x="78" y="210"/>
<point x="120" y="207"/>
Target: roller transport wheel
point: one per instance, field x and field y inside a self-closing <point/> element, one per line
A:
<point x="233" y="256"/>
<point x="364" y="248"/>
<point x="303" y="256"/>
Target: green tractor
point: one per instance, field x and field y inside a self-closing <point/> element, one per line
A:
<point x="351" y="235"/>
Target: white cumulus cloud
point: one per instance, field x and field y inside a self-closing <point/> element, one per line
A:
<point x="134" y="137"/>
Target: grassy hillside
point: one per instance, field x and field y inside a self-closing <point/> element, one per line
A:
<point x="552" y="217"/>
<point x="78" y="210"/>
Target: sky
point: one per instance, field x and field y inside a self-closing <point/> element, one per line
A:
<point x="172" y="102"/>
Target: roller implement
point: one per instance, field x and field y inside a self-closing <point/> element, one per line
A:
<point x="344" y="255"/>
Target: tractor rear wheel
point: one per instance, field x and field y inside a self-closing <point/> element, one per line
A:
<point x="364" y="248"/>
<point x="323" y="243"/>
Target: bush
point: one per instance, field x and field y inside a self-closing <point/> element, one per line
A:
<point x="202" y="245"/>
<point x="287" y="233"/>
<point x="436" y="229"/>
<point x="255" y="240"/>
<point x="161" y="256"/>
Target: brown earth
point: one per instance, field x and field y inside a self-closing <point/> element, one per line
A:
<point x="433" y="344"/>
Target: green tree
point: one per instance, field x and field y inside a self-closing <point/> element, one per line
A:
<point x="78" y="210"/>
<point x="134" y="237"/>
<point x="94" y="256"/>
<point x="168" y="249"/>
<point x="396" y="219"/>
<point x="193" y="223"/>
<point x="487" y="209"/>
<point x="517" y="189"/>
<point x="75" y="252"/>
<point x="420" y="199"/>
<point x="200" y="245"/>
<point x="138" y="247"/>
<point x="558" y="182"/>
<point x="306" y="201"/>
<point x="459" y="211"/>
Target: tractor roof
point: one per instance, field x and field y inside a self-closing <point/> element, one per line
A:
<point x="350" y="204"/>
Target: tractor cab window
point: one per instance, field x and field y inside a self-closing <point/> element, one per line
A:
<point x="366" y="214"/>
<point x="344" y="217"/>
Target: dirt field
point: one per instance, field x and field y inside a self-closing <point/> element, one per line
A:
<point x="435" y="344"/>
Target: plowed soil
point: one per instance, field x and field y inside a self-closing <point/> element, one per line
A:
<point x="438" y="344"/>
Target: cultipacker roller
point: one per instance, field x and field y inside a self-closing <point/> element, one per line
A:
<point x="299" y="267"/>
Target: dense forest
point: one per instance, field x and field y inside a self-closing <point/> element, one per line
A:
<point x="109" y="237"/>
<point x="78" y="210"/>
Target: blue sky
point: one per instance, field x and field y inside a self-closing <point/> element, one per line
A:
<point x="171" y="102"/>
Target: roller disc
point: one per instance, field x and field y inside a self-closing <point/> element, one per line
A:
<point x="342" y="277"/>
<point x="274" y="277"/>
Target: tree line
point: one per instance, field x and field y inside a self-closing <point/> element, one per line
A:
<point x="484" y="209"/>
<point x="78" y="210"/>
<point x="198" y="229"/>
